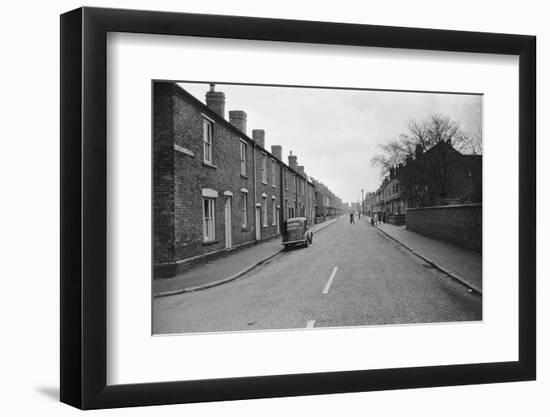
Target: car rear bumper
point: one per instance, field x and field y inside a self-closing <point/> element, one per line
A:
<point x="292" y="242"/>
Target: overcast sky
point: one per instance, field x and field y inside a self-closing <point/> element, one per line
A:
<point x="335" y="133"/>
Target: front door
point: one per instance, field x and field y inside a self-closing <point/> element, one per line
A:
<point x="258" y="223"/>
<point x="278" y="217"/>
<point x="228" y="228"/>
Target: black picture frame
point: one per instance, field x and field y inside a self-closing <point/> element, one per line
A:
<point x="84" y="207"/>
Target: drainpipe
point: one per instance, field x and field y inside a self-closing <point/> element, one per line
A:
<point x="254" y="179"/>
<point x="281" y="197"/>
<point x="306" y="191"/>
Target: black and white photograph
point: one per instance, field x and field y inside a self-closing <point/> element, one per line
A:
<point x="282" y="207"/>
<point x="266" y="209"/>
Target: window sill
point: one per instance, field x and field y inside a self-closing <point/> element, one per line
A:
<point x="264" y="182"/>
<point x="264" y="225"/>
<point x="244" y="176"/>
<point x="274" y="186"/>
<point x="244" y="229"/>
<point x="209" y="242"/>
<point x="208" y="164"/>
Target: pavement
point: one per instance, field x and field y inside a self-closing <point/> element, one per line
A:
<point x="460" y="264"/>
<point x="352" y="275"/>
<point x="224" y="268"/>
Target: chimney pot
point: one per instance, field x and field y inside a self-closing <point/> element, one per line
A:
<point x="238" y="119"/>
<point x="293" y="161"/>
<point x="277" y="151"/>
<point x="215" y="100"/>
<point x="258" y="135"/>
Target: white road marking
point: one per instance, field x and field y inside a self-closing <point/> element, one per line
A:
<point x="329" y="282"/>
<point x="310" y="324"/>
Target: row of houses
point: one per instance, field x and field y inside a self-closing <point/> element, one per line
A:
<point x="215" y="187"/>
<point x="439" y="176"/>
<point x="327" y="204"/>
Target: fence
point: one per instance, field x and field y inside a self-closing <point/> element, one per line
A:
<point x="397" y="219"/>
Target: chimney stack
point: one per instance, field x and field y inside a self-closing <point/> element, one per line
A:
<point x="238" y="119"/>
<point x="277" y="151"/>
<point x="293" y="161"/>
<point x="215" y="100"/>
<point x="301" y="170"/>
<point x="258" y="135"/>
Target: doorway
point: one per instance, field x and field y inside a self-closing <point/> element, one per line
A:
<point x="228" y="226"/>
<point x="258" y="223"/>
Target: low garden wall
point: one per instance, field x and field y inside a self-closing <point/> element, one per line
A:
<point x="397" y="219"/>
<point x="457" y="224"/>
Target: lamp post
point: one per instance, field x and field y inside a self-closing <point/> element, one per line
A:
<point x="362" y="202"/>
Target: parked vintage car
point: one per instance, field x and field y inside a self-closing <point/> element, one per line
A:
<point x="296" y="232"/>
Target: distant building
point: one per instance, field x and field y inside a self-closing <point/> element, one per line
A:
<point x="370" y="203"/>
<point x="439" y="176"/>
<point x="327" y="204"/>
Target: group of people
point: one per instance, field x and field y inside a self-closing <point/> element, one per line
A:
<point x="374" y="220"/>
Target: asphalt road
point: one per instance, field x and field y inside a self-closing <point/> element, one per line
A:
<point x="351" y="276"/>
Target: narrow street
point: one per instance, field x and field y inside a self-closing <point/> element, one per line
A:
<point x="352" y="275"/>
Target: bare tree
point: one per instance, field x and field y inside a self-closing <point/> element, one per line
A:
<point x="427" y="133"/>
<point x="472" y="142"/>
<point x="392" y="153"/>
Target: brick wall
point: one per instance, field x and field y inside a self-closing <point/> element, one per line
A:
<point x="192" y="175"/>
<point x="163" y="175"/>
<point x="459" y="224"/>
<point x="181" y="175"/>
<point x="265" y="193"/>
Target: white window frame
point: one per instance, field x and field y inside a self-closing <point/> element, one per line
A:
<point x="244" y="151"/>
<point x="264" y="211"/>
<point x="207" y="139"/>
<point x="209" y="222"/>
<point x="274" y="208"/>
<point x="244" y="197"/>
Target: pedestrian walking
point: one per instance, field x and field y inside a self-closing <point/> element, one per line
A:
<point x="372" y="221"/>
<point x="351" y="218"/>
<point x="376" y="219"/>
